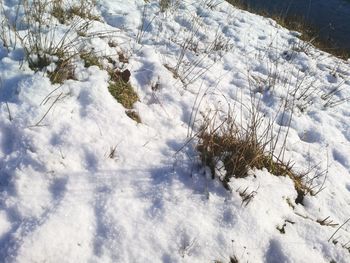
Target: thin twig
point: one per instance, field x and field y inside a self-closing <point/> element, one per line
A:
<point x="339" y="229"/>
<point x="38" y="123"/>
<point x="8" y="110"/>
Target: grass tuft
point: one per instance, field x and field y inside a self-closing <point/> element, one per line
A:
<point x="239" y="150"/>
<point x="39" y="61"/>
<point x="123" y="93"/>
<point x="64" y="70"/>
<point x="90" y="59"/>
<point x="83" y="9"/>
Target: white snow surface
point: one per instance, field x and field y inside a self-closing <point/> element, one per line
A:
<point x="64" y="200"/>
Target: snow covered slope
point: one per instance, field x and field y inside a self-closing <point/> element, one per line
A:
<point x="80" y="181"/>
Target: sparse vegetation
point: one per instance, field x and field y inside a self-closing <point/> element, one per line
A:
<point x="327" y="222"/>
<point x="83" y="10"/>
<point x="123" y="93"/>
<point x="309" y="34"/>
<point x="282" y="229"/>
<point x="164" y="5"/>
<point x="64" y="70"/>
<point x="247" y="196"/>
<point x="119" y="85"/>
<point x="229" y="144"/>
<point x="49" y="50"/>
<point x="91" y="59"/>
<point x="43" y="44"/>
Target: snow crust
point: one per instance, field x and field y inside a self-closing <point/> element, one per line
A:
<point x="64" y="200"/>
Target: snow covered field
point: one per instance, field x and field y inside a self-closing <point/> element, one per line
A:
<point x="80" y="181"/>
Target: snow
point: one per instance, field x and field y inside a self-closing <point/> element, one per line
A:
<point x="63" y="199"/>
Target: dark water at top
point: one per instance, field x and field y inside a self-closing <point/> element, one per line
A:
<point x="330" y="18"/>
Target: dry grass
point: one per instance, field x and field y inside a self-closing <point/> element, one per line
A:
<point x="91" y="59"/>
<point x="64" y="70"/>
<point x="83" y="9"/>
<point x="239" y="150"/>
<point x="165" y="5"/>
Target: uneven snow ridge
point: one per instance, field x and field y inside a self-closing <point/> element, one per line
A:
<point x="65" y="198"/>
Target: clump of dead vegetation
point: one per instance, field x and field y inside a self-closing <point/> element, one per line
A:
<point x="65" y="12"/>
<point x="233" y="150"/>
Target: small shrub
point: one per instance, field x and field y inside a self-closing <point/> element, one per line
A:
<point x="123" y="92"/>
<point x="38" y="40"/>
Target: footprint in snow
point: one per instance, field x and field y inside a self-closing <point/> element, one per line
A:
<point x="341" y="158"/>
<point x="58" y="188"/>
<point x="3" y="53"/>
<point x="348" y="187"/>
<point x="347" y="134"/>
<point x="284" y="119"/>
<point x="91" y="161"/>
<point x="311" y="136"/>
<point x="229" y="218"/>
<point x="117" y="20"/>
<point x="332" y="78"/>
<point x="7" y="140"/>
